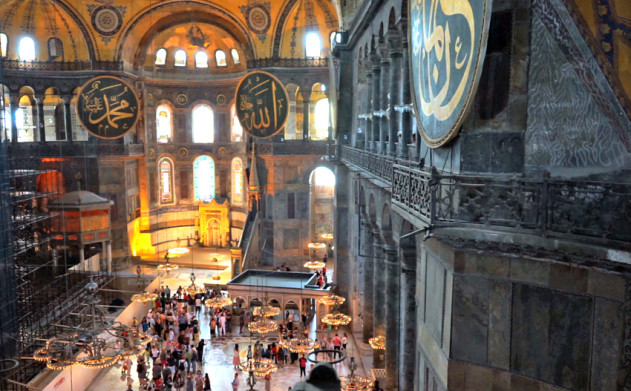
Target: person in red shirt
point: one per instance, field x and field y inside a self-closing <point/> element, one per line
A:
<point x="303" y="366"/>
<point x="337" y="342"/>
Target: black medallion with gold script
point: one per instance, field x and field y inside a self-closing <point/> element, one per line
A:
<point x="262" y="104"/>
<point x="107" y="107"/>
<point x="447" y="48"/>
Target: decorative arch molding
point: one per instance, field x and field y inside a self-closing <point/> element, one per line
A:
<point x="307" y="174"/>
<point x="205" y="12"/>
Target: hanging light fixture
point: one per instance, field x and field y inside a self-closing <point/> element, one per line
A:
<point x="167" y="267"/>
<point x="316" y="245"/>
<point x="354" y="382"/>
<point x="378" y="343"/>
<point x="218" y="302"/>
<point x="332" y="300"/>
<point x="95" y="343"/>
<point x="263" y="326"/>
<point x="144" y="297"/>
<point x="259" y="366"/>
<point x="178" y="251"/>
<point x="314" y="265"/>
<point x="266" y="311"/>
<point x="302" y="345"/>
<point x="327" y="236"/>
<point x="336" y="319"/>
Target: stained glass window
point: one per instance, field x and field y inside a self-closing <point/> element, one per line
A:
<point x="201" y="60"/>
<point x="204" y="178"/>
<point x="313" y="44"/>
<point x="203" y="124"/>
<point x="166" y="180"/>
<point x="237" y="182"/>
<point x="161" y="56"/>
<point x="164" y="124"/>
<point x="220" y="57"/>
<point x="26" y="49"/>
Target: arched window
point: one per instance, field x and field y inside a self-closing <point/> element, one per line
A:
<point x="203" y="124"/>
<point x="78" y="132"/>
<point x="321" y="114"/>
<point x="4" y="44"/>
<point x="201" y="60"/>
<point x="165" y="171"/>
<point x="25" y="121"/>
<point x="235" y="56"/>
<point x="236" y="131"/>
<point x="220" y="57"/>
<point x="204" y="178"/>
<point x="55" y="48"/>
<point x="164" y="124"/>
<point x="237" y="182"/>
<point x="26" y="49"/>
<point x="313" y="44"/>
<point x="161" y="57"/>
<point x="180" y="58"/>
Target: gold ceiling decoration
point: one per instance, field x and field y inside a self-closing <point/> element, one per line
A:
<point x="144" y="297"/>
<point x="218" y="302"/>
<point x="266" y="311"/>
<point x="336" y="319"/>
<point x="332" y="300"/>
<point x="378" y="343"/>
<point x="258" y="366"/>
<point x="263" y="326"/>
<point x="314" y="265"/>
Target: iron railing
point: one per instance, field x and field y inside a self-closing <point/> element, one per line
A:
<point x="554" y="207"/>
<point x="310" y="62"/>
<point x="61" y="65"/>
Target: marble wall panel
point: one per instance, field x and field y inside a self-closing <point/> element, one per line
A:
<point x="608" y="336"/>
<point x="470" y="319"/>
<point x="434" y="297"/>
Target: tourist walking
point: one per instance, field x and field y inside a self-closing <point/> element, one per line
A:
<point x="303" y="366"/>
<point x="236" y="359"/>
<point x="235" y="382"/>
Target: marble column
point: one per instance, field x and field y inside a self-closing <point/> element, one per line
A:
<point x="376" y="96"/>
<point x="406" y="116"/>
<point x="367" y="110"/>
<point x="384" y="127"/>
<point x="395" y="79"/>
<point x="393" y="275"/>
<point x="40" y="118"/>
<point x="306" y="105"/>
<point x="365" y="255"/>
<point x="379" y="307"/>
<point x="14" y="101"/>
<point x="108" y="255"/>
<point x="67" y="117"/>
<point x="407" y="354"/>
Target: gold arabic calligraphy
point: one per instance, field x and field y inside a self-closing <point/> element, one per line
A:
<point x="443" y="79"/>
<point x="261" y="107"/>
<point x="108" y="107"/>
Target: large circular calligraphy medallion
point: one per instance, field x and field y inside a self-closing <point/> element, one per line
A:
<point x="107" y="107"/>
<point x="447" y="47"/>
<point x="262" y="104"/>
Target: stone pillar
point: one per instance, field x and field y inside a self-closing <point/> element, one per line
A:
<point x="407" y="354"/>
<point x="306" y="105"/>
<point x="384" y="127"/>
<point x="368" y="109"/>
<point x="236" y="255"/>
<point x="40" y="117"/>
<point x="365" y="255"/>
<point x="406" y="98"/>
<point x="81" y="258"/>
<point x="393" y="275"/>
<point x="379" y="307"/>
<point x="14" y="101"/>
<point x="67" y="116"/>
<point x="376" y="96"/>
<point x="395" y="78"/>
<point x="108" y="253"/>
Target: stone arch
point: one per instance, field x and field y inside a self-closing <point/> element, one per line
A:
<point x="386" y="224"/>
<point x="372" y="209"/>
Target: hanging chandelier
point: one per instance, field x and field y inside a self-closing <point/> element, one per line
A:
<point x="259" y="366"/>
<point x="336" y="319"/>
<point x="353" y="382"/>
<point x="144" y="297"/>
<point x="302" y="345"/>
<point x="218" y="302"/>
<point x="95" y="343"/>
<point x="194" y="289"/>
<point x="315" y="265"/>
<point x="332" y="300"/>
<point x="327" y="236"/>
<point x="263" y="326"/>
<point x="167" y="267"/>
<point x="266" y="311"/>
<point x="378" y="343"/>
<point x="316" y="245"/>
